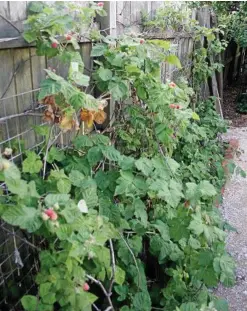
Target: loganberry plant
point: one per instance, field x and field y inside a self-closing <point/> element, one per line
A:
<point x="128" y="213"/>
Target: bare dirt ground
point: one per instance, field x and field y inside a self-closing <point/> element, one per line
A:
<point x="229" y="105"/>
<point x="234" y="210"/>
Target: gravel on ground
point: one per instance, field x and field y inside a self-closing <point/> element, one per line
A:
<point x="234" y="210"/>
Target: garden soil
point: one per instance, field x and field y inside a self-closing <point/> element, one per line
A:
<point x="234" y="210"/>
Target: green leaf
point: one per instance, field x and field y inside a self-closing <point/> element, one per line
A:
<point x="29" y="302"/>
<point x="32" y="164"/>
<point x="76" y="178"/>
<point x="98" y="50"/>
<point x="77" y="100"/>
<point x="82" y="141"/>
<point x="221" y="304"/>
<point x="61" y="199"/>
<point x="105" y="74"/>
<point x="49" y="87"/>
<point x="161" y="43"/>
<point x="196" y="225"/>
<point x="119" y="275"/>
<point x="144" y="165"/>
<point x="64" y="185"/>
<point x="207" y="189"/>
<point x="140" y="211"/>
<point x="43" y="130"/>
<point x="55" y="154"/>
<point x="29" y="36"/>
<point x="142" y="302"/>
<point x="25" y="217"/>
<point x="35" y="7"/>
<point x="111" y="153"/>
<point x="118" y="90"/>
<point x="173" y="60"/>
<point x="44" y="289"/>
<point x="194" y="243"/>
<point x="80" y="79"/>
<point x="90" y="196"/>
<point x="163" y="229"/>
<point x="99" y="139"/>
<point x="189" y="306"/>
<point x="91" y="103"/>
<point x="195" y="116"/>
<point x="94" y="155"/>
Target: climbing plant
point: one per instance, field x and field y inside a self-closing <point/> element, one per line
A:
<point x="129" y="214"/>
<point x="207" y="41"/>
<point x="231" y="17"/>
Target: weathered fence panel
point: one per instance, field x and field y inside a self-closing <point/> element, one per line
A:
<point x="21" y="72"/>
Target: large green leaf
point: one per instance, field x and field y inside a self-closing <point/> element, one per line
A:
<point x="98" y="49"/>
<point x="52" y="199"/>
<point x="105" y="74"/>
<point x="118" y="90"/>
<point x="76" y="178"/>
<point x="25" y="217"/>
<point x="29" y="302"/>
<point x="80" y="79"/>
<point x="173" y="60"/>
<point x="32" y="164"/>
<point x="55" y="154"/>
<point x="142" y="302"/>
<point x="49" y="87"/>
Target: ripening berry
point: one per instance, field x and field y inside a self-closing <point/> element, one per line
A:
<point x="142" y="41"/>
<point x="172" y="84"/>
<point x="56" y="206"/>
<point x="100" y="4"/>
<point x="178" y="107"/>
<point x="68" y="37"/>
<point x="173" y="106"/>
<point x="44" y="216"/>
<point x="5" y="164"/>
<point x="86" y="287"/>
<point x="8" y="151"/>
<point x="54" y="45"/>
<point x="51" y="214"/>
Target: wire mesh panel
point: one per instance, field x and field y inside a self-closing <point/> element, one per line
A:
<point x="17" y="129"/>
<point x="19" y="114"/>
<point x="18" y="266"/>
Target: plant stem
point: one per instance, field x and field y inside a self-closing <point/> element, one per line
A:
<point x="103" y="289"/>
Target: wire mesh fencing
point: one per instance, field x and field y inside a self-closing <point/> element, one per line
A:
<point x="19" y="114"/>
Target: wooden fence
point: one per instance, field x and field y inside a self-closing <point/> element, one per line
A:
<point x="21" y="72"/>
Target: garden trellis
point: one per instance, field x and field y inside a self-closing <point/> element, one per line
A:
<point x="21" y="73"/>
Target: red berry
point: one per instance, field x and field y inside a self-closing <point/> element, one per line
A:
<point x="100" y="4"/>
<point x="68" y="37"/>
<point x="178" y="107"/>
<point x="85" y="287"/>
<point x="172" y="84"/>
<point x="51" y="214"/>
<point x="173" y="106"/>
<point x="48" y="212"/>
<point x="54" y="45"/>
<point x="142" y="41"/>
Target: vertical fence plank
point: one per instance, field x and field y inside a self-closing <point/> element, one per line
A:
<point x="23" y="80"/>
<point x="7" y="89"/>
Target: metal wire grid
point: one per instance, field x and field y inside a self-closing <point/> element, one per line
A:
<point x="18" y="250"/>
